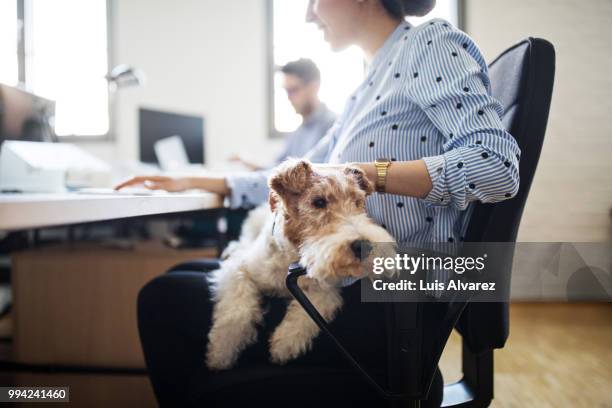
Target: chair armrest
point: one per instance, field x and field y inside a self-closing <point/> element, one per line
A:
<point x="197" y="265"/>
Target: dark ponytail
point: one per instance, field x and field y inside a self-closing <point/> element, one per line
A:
<point x="402" y="8"/>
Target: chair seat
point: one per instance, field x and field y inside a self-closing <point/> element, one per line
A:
<point x="275" y="386"/>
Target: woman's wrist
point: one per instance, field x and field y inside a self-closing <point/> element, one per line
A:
<point x="408" y="178"/>
<point x="217" y="185"/>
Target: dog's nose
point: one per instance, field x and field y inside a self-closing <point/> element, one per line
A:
<point x="361" y="248"/>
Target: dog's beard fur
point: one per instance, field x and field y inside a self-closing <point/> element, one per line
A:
<point x="329" y="258"/>
<point x="316" y="217"/>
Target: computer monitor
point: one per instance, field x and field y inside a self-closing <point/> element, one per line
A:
<point x="156" y="125"/>
<point x="25" y="116"/>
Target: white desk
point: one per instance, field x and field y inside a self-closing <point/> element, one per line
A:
<point x="24" y="211"/>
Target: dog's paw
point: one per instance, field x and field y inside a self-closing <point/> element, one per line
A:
<point x="284" y="348"/>
<point x="219" y="358"/>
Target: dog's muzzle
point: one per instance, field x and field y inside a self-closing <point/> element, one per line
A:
<point x="361" y="248"/>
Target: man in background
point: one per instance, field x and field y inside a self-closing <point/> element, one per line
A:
<point x="301" y="81"/>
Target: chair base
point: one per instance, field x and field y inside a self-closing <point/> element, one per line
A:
<point x="475" y="390"/>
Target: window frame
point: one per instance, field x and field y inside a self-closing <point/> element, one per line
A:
<point x="271" y="68"/>
<point x="23" y="27"/>
<point x="273" y="133"/>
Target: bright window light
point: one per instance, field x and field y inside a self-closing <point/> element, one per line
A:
<point x="8" y="42"/>
<point x="341" y="73"/>
<point x="67" y="60"/>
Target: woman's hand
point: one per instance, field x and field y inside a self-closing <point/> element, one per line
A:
<point x="157" y="183"/>
<point x="216" y="185"/>
<point x="367" y="168"/>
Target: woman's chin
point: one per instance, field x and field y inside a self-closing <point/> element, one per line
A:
<point x="334" y="43"/>
<point x="336" y="46"/>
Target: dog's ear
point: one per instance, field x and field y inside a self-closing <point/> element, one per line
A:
<point x="361" y="179"/>
<point x="272" y="200"/>
<point x="292" y="178"/>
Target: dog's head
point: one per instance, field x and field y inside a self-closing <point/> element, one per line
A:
<point x="324" y="215"/>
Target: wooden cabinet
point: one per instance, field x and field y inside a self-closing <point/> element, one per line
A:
<point x="76" y="305"/>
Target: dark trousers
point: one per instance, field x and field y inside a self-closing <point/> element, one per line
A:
<point x="174" y="317"/>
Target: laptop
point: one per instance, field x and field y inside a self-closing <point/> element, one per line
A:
<point x="171" y="153"/>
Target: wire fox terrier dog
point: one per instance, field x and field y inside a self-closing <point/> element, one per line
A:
<point x="317" y="217"/>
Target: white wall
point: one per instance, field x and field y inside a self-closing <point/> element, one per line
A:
<point x="572" y="192"/>
<point x="203" y="57"/>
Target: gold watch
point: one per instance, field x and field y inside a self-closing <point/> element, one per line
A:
<point x="382" y="166"/>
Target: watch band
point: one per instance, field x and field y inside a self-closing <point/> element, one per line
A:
<point x="382" y="166"/>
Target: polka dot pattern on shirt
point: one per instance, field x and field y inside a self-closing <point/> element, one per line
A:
<point x="424" y="97"/>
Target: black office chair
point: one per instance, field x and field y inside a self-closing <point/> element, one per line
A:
<point x="522" y="79"/>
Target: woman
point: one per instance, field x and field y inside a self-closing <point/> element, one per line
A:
<point x="423" y="127"/>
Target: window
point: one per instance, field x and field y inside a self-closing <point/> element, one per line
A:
<point x="8" y="42"/>
<point x="341" y="72"/>
<point x="64" y="58"/>
<point x="292" y="38"/>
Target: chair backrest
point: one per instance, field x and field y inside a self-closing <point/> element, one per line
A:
<point x="522" y="80"/>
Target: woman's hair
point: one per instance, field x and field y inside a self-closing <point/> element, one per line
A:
<point x="402" y="8"/>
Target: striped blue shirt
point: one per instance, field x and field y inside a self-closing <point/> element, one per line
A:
<point x="426" y="95"/>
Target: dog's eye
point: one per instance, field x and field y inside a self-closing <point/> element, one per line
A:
<point x="319" y="202"/>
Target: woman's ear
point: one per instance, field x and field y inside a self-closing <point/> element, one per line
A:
<point x="292" y="178"/>
<point x="361" y="179"/>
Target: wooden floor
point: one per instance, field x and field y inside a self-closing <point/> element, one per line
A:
<point x="558" y="355"/>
